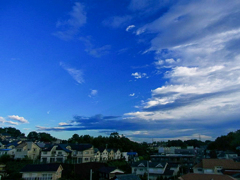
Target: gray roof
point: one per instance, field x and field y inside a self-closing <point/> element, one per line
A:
<point x="127" y="177"/>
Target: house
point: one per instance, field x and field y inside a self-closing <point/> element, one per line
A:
<point x="132" y="156"/>
<point x="110" y="154"/>
<point x="97" y="155"/>
<point x="104" y="154"/>
<point x="13" y="144"/>
<point x="227" y="155"/>
<point x="2" y="170"/>
<point x="187" y="160"/>
<point x="155" y="169"/>
<point x="42" y="171"/>
<point x="127" y="177"/>
<point x="217" y="166"/>
<point x="109" y="172"/>
<point x="117" y="154"/>
<point x="82" y="171"/>
<point x="82" y="153"/>
<point x="10" y="152"/>
<point x="55" y="153"/>
<point x="27" y="149"/>
<point x="193" y="176"/>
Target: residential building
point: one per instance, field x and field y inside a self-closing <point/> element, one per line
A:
<point x="10" y="152"/>
<point x="97" y="155"/>
<point x="194" y="176"/>
<point x="2" y="170"/>
<point x="42" y="171"/>
<point x="104" y="154"/>
<point x="217" y="166"/>
<point x="110" y="154"/>
<point x="82" y="153"/>
<point x="127" y="177"/>
<point x="187" y="160"/>
<point x="55" y="153"/>
<point x="117" y="154"/>
<point x="155" y="169"/>
<point x="27" y="150"/>
<point x="109" y="172"/>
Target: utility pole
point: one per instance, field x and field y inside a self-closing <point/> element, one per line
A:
<point x="90" y="174"/>
<point x="148" y="169"/>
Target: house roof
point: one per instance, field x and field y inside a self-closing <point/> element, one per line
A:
<point x="225" y="163"/>
<point x="81" y="147"/>
<point x="101" y="149"/>
<point x="5" y="150"/>
<point x="21" y="145"/>
<point x="82" y="170"/>
<point x="14" y="143"/>
<point x="40" y="167"/>
<point x="194" y="176"/>
<point x="127" y="177"/>
<point x="109" y="170"/>
<point x="132" y="153"/>
<point x="151" y="164"/>
<point x="63" y="147"/>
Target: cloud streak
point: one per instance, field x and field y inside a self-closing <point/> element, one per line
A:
<point x="76" y="74"/>
<point x="201" y="63"/>
<point x="18" y="118"/>
<point x="70" y="27"/>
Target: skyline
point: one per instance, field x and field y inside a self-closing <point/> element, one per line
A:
<point x="143" y="68"/>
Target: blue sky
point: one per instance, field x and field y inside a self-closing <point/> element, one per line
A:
<point x="148" y="69"/>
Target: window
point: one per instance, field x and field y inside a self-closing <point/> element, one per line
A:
<point x="86" y="152"/>
<point x="52" y="160"/>
<point x="60" y="160"/>
<point x="44" y="152"/>
<point x="47" y="176"/>
<point x="44" y="160"/>
<point x="86" y="159"/>
<point x="60" y="153"/>
<point x="19" y="150"/>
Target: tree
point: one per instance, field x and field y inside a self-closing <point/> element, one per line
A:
<point x="213" y="154"/>
<point x="33" y="135"/>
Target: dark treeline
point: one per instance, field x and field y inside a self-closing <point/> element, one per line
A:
<point x="114" y="141"/>
<point x="226" y="142"/>
<point x="11" y="131"/>
<point x="42" y="136"/>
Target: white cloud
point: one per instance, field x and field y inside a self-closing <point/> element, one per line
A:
<point x="117" y="21"/>
<point x="93" y="93"/>
<point x="17" y="118"/>
<point x="75" y="73"/>
<point x="133" y="94"/>
<point x="62" y="124"/>
<point x="130" y="27"/>
<point x="92" y="50"/>
<point x="139" y="75"/>
<point x="70" y="27"/>
<point x="203" y="61"/>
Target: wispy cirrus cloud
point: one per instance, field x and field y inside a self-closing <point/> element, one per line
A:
<point x="76" y="74"/>
<point x="92" y="49"/>
<point x="117" y="21"/>
<point x="139" y="75"/>
<point x="18" y="118"/>
<point x="70" y="27"/>
<point x="93" y="93"/>
<point x="201" y="63"/>
<point x="136" y="129"/>
<point x="3" y="121"/>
